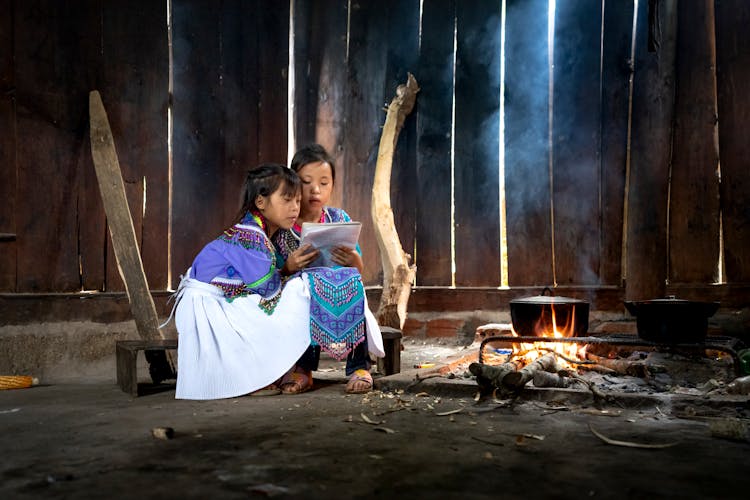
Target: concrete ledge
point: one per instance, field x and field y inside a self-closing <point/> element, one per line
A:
<point x="71" y="351"/>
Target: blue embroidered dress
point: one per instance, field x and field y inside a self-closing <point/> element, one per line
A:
<point x="339" y="317"/>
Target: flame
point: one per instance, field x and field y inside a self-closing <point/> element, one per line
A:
<point x="547" y="327"/>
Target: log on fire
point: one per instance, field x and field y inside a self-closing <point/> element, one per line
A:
<point x="546" y="379"/>
<point x="516" y="380"/>
<point x="621" y="366"/>
<point x="489" y="376"/>
<point x="507" y="376"/>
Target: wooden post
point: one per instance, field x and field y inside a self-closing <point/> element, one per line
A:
<point x="398" y="275"/>
<point x="120" y="222"/>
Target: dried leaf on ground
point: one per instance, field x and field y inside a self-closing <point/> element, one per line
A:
<point x="451" y="412"/>
<point x="369" y="420"/>
<point x="629" y="444"/>
<point x="387" y="430"/>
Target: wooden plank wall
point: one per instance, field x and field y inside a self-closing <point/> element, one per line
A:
<point x="576" y="115"/>
<point x="694" y="181"/>
<point x="8" y="174"/>
<point x="320" y="45"/>
<point x="230" y="111"/>
<point x="134" y="89"/>
<point x="572" y="191"/>
<point x="477" y="134"/>
<point x="48" y="163"/>
<point x="648" y="190"/>
<point x="733" y="75"/>
<point x="617" y="68"/>
<point x="434" y="110"/>
<point x="527" y="153"/>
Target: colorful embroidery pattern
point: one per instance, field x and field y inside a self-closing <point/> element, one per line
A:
<point x="268" y="306"/>
<point x="251" y="238"/>
<point x="337" y="308"/>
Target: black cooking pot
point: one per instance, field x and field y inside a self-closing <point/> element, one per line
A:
<point x="672" y="320"/>
<point x="532" y="316"/>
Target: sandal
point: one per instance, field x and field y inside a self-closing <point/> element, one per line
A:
<point x="296" y="382"/>
<point x="269" y="390"/>
<point x="357" y="378"/>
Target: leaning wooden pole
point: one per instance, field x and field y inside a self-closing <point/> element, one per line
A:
<point x="120" y="223"/>
<point x="398" y="274"/>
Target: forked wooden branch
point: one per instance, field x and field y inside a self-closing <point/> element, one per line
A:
<point x="398" y="273"/>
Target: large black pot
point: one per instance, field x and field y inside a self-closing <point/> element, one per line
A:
<point x="532" y="316"/>
<point x="672" y="320"/>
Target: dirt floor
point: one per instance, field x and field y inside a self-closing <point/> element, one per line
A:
<point x="409" y="439"/>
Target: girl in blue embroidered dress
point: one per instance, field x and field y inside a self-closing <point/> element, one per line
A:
<point x="360" y="332"/>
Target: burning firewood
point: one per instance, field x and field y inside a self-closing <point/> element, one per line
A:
<point x="516" y="380"/>
<point x="621" y="366"/>
<point x="546" y="379"/>
<point x="492" y="376"/>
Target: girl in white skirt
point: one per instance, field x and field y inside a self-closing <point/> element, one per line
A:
<point x="243" y="315"/>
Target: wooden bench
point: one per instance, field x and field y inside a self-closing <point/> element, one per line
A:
<point x="127" y="357"/>
<point x="126" y="352"/>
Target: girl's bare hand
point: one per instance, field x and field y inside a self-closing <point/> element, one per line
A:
<point x="300" y="258"/>
<point x="347" y="257"/>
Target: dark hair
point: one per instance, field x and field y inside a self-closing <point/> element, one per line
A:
<point x="264" y="180"/>
<point x="312" y="153"/>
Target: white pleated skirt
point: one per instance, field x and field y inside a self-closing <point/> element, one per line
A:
<point x="228" y="349"/>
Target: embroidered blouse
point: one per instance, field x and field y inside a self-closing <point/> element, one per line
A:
<point x="242" y="261"/>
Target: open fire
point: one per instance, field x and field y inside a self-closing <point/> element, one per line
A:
<point x="554" y="357"/>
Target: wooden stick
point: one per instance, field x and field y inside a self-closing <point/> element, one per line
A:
<point x="516" y="380"/>
<point x="492" y="376"/>
<point x="621" y="366"/>
<point x="121" y="230"/>
<point x="546" y="379"/>
<point x="120" y="223"/>
<point x="398" y="274"/>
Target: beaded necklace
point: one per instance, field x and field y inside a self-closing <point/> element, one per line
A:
<point x="259" y="219"/>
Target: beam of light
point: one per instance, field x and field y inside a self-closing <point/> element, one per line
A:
<point x="624" y="248"/>
<point x="550" y="116"/>
<point x="170" y="130"/>
<point x="453" y="156"/>
<point x="290" y="128"/>
<point x="504" y="282"/>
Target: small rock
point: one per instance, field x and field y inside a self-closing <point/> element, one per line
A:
<point x="165" y="433"/>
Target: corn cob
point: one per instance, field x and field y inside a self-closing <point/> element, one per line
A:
<point x="17" y="381"/>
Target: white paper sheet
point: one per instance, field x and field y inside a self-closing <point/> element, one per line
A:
<point x="326" y="236"/>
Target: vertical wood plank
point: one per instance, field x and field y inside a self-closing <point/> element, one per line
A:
<point x="527" y="180"/>
<point x="364" y="116"/>
<point x="616" y="73"/>
<point x="134" y="89"/>
<point x="434" y="116"/>
<point x="733" y="78"/>
<point x="694" y="191"/>
<point x="476" y="163"/>
<point x="8" y="176"/>
<point x="272" y="26"/>
<point x="653" y="108"/>
<point x="320" y="83"/>
<point x="54" y="48"/>
<point x="577" y="140"/>
<point x="240" y="92"/>
<point x="307" y="58"/>
<point x="198" y="170"/>
<point x="330" y="119"/>
<point x="403" y="54"/>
